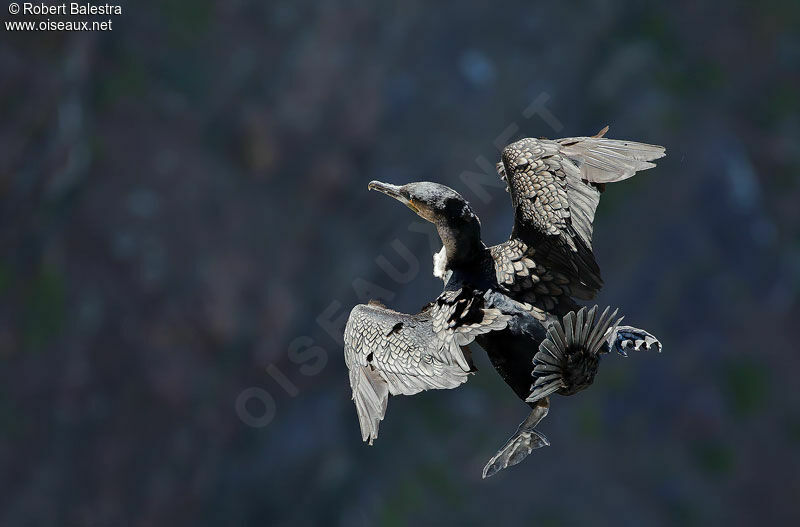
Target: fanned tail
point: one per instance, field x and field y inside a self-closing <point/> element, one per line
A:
<point x="568" y="357"/>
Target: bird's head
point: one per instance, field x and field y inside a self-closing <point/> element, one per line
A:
<point x="458" y="227"/>
<point x="436" y="203"/>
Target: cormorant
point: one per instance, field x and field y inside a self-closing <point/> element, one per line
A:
<point x="516" y="299"/>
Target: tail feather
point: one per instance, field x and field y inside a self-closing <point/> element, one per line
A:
<point x="601" y="328"/>
<point x="578" y="333"/>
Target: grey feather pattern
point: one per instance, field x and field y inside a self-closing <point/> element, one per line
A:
<point x="392" y="353"/>
<point x="604" y="160"/>
<point x="553" y="188"/>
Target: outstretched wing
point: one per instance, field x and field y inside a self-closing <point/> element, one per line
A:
<point x="526" y="280"/>
<point x="555" y="186"/>
<point x="394" y="353"/>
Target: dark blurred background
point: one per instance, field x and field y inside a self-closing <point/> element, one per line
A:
<point x="184" y="222"/>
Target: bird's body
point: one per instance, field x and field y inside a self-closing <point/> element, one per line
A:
<point x="516" y="299"/>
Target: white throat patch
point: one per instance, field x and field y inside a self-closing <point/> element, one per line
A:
<point x="440" y="263"/>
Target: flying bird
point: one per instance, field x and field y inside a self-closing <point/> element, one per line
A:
<point x="517" y="300"/>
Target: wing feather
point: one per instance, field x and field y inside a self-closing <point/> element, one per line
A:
<point x="555" y="187"/>
<point x="392" y="353"/>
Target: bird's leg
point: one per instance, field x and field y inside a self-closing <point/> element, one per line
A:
<point x="627" y="338"/>
<point x="523" y="442"/>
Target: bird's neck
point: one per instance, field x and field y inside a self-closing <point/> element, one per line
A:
<point x="462" y="245"/>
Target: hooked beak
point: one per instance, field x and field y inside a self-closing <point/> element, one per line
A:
<point x="394" y="191"/>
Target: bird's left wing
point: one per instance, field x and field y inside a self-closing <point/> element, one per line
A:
<point x="388" y="352"/>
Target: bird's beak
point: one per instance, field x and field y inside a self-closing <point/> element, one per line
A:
<point x="386" y="188"/>
<point x="394" y="191"/>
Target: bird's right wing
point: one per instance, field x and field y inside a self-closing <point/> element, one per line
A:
<point x="394" y="353"/>
<point x="555" y="187"/>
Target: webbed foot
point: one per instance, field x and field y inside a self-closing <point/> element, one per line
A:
<point x="515" y="450"/>
<point x="523" y="442"/>
<point x="628" y="338"/>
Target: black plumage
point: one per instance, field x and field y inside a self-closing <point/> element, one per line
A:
<point x="516" y="299"/>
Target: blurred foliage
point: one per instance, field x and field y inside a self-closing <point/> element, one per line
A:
<point x="746" y="385"/>
<point x="45" y="309"/>
<point x="714" y="457"/>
